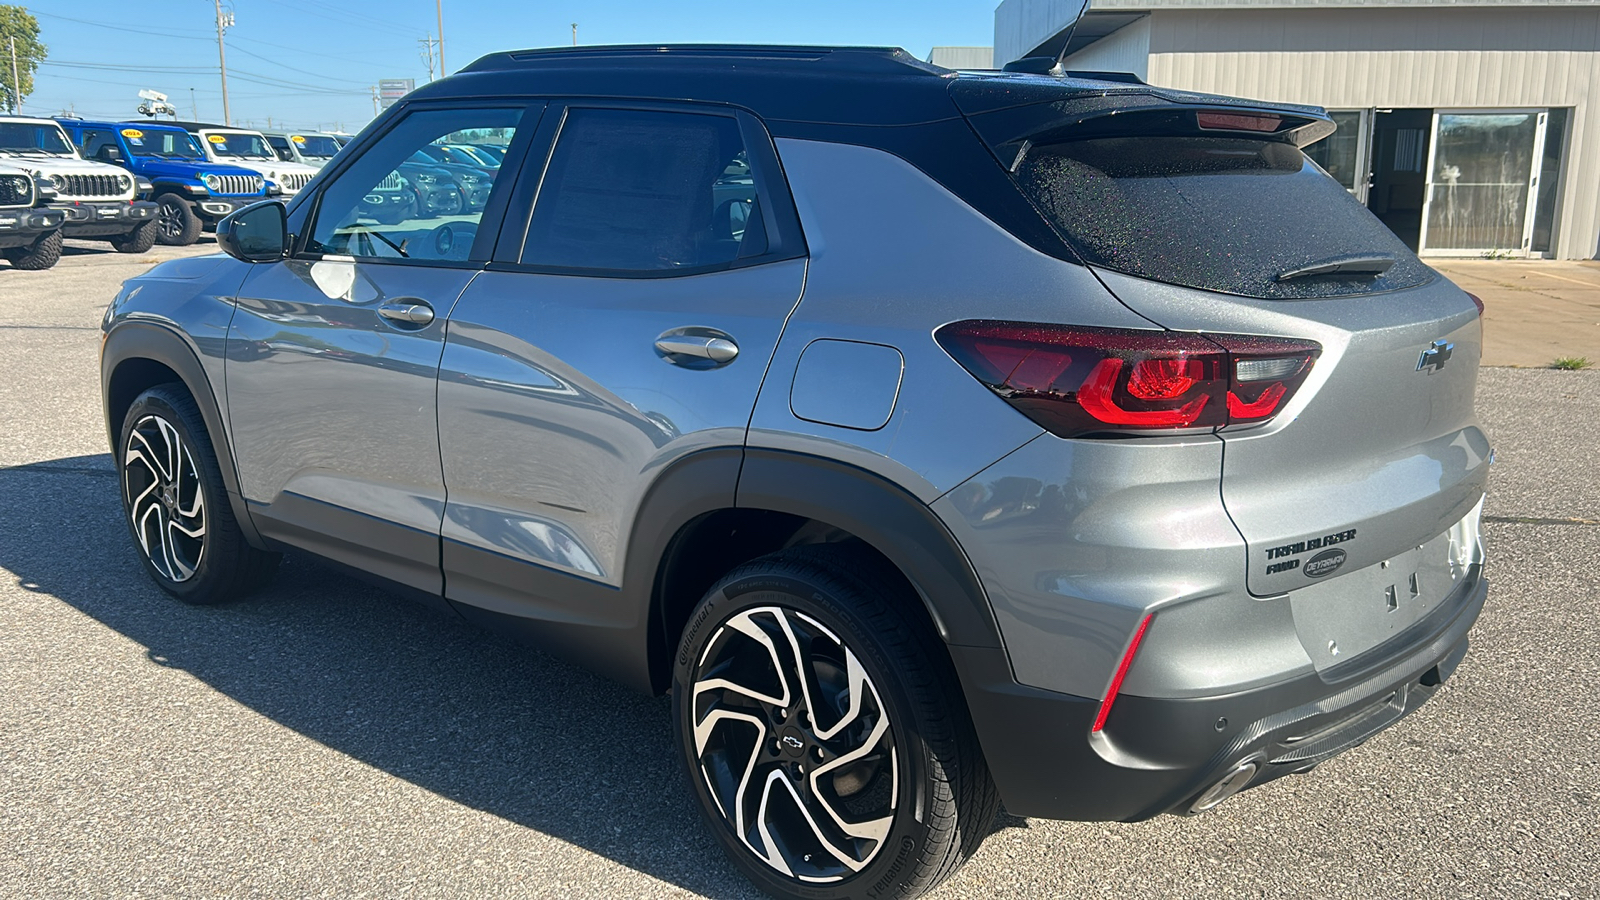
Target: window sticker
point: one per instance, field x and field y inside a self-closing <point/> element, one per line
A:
<point x="132" y="133"/>
<point x="217" y="139"/>
<point x="297" y="138"/>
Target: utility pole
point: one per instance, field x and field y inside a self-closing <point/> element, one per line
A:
<point x="374" y="90"/>
<point x="439" y="7"/>
<point x="16" y="82"/>
<point x="223" y="21"/>
<point x="427" y="53"/>
<point x="194" y="107"/>
<point x="574" y="34"/>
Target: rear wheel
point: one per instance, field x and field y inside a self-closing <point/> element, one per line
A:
<point x="824" y="732"/>
<point x="177" y="224"/>
<point x="41" y="254"/>
<point x="177" y="507"/>
<point x="139" y="240"/>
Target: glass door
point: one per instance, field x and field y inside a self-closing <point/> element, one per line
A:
<point x="1347" y="153"/>
<point x="1483" y="181"/>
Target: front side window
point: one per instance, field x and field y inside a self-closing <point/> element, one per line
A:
<point x="645" y="191"/>
<point x="398" y="202"/>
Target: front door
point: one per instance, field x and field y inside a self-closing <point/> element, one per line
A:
<point x="624" y="328"/>
<point x="1483" y="180"/>
<point x="333" y="358"/>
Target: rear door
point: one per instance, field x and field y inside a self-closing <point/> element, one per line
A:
<point x="624" y="327"/>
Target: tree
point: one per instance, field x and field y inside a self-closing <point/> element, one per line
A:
<point x="16" y="24"/>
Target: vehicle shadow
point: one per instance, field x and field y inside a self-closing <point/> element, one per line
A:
<point x="479" y="720"/>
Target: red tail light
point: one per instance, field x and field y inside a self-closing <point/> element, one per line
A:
<point x="1078" y="381"/>
<point x="1478" y="302"/>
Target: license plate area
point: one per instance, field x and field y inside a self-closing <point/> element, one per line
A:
<point x="1341" y="619"/>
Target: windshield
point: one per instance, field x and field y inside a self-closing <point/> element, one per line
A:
<point x="239" y="145"/>
<point x="166" y="143"/>
<point x="316" y="146"/>
<point x="33" y="139"/>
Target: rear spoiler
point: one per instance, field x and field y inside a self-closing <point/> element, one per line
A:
<point x="1085" y="110"/>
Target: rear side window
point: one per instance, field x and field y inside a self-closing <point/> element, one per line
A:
<point x="1219" y="214"/>
<point x="646" y="192"/>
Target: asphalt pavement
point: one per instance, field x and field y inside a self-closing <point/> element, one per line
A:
<point x="324" y="739"/>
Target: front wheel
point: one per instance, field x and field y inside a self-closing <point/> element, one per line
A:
<point x="177" y="506"/>
<point x="176" y="222"/>
<point x="139" y="240"/>
<point x="41" y="254"/>
<point x="824" y="733"/>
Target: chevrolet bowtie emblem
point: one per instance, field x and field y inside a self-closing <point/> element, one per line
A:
<point x="1435" y="356"/>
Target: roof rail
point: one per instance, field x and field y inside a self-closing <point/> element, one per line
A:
<point x="856" y="58"/>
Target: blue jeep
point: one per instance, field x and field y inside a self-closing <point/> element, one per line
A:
<point x="193" y="192"/>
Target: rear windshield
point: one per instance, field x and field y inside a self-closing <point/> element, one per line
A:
<point x="1220" y="214"/>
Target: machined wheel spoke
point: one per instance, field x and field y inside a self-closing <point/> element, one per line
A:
<point x="814" y="802"/>
<point x="166" y="500"/>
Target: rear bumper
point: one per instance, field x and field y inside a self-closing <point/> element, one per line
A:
<point x="95" y="219"/>
<point x="1163" y="755"/>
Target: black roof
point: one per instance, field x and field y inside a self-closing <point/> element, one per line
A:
<point x="844" y="85"/>
<point x="822" y="85"/>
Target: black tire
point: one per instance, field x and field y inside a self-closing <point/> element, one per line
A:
<point x="41" y="254"/>
<point x="752" y="754"/>
<point x="176" y="223"/>
<point x="139" y="240"/>
<point x="171" y="488"/>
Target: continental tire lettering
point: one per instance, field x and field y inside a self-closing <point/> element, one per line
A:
<point x="907" y="845"/>
<point x="693" y="629"/>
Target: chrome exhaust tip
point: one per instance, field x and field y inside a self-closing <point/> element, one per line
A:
<point x="1230" y="784"/>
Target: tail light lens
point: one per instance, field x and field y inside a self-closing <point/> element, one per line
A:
<point x="1478" y="302"/>
<point x="1079" y="381"/>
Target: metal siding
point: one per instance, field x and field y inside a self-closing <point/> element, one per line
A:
<point x="1125" y="50"/>
<point x="1395" y="58"/>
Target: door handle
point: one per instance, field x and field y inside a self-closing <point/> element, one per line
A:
<point x="407" y="312"/>
<point x="716" y="349"/>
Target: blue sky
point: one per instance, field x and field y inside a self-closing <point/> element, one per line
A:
<point x="309" y="64"/>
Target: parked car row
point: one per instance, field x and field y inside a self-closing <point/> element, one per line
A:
<point x="134" y="184"/>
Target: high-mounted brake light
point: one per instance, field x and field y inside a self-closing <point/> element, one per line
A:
<point x="1116" y="680"/>
<point x="1082" y="381"/>
<point x="1213" y="121"/>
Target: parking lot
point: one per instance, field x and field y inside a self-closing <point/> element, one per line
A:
<point x="325" y="739"/>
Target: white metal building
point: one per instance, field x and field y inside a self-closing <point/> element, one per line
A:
<point x="1467" y="126"/>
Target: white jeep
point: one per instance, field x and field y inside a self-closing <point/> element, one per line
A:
<point x="242" y="147"/>
<point x="313" y="148"/>
<point x="96" y="200"/>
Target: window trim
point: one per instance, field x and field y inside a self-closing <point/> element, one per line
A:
<point x="785" y="241"/>
<point x="304" y="210"/>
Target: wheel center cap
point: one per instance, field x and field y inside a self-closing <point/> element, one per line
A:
<point x="169" y="496"/>
<point x="792" y="741"/>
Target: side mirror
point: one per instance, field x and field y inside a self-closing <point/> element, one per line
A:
<point x="110" y="153"/>
<point x="257" y="233"/>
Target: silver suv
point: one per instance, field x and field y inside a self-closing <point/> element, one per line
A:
<point x="935" y="439"/>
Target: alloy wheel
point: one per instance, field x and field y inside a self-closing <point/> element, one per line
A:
<point x="170" y="219"/>
<point x="164" y="499"/>
<point x="795" y="744"/>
